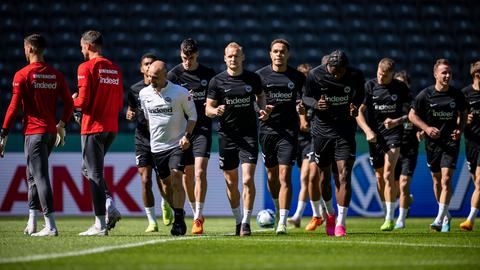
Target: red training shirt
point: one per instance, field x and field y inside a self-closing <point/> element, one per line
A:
<point x="37" y="88"/>
<point x="100" y="95"/>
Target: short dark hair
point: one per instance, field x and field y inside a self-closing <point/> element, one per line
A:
<point x="149" y="55"/>
<point x="387" y="64"/>
<point x="441" y="61"/>
<point x="337" y="58"/>
<point x="475" y="68"/>
<point x="37" y="41"/>
<point x="403" y="75"/>
<point x="189" y="46"/>
<point x="282" y="41"/>
<point x="93" y="37"/>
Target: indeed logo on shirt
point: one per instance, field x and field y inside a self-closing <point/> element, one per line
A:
<point x="198" y="95"/>
<point x="159" y="110"/>
<point x="237" y="101"/>
<point x="44" y="85"/>
<point x="386" y="108"/>
<point x="442" y="115"/>
<point x="337" y="100"/>
<point x="108" y="80"/>
<point x="279" y="96"/>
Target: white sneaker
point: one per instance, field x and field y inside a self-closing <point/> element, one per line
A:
<point x="30" y="229"/>
<point x="281" y="229"/>
<point x="113" y="216"/>
<point x="46" y="232"/>
<point x="94" y="231"/>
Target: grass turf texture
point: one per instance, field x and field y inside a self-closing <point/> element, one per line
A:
<point x="365" y="247"/>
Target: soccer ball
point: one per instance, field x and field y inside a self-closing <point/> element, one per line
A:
<point x="266" y="218"/>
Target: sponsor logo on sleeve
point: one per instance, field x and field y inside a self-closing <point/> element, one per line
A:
<point x="203" y="82"/>
<point x="248" y="88"/>
<point x="347" y="89"/>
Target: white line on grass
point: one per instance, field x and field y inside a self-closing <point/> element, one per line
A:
<point x="88" y="251"/>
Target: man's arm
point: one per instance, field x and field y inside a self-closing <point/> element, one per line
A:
<point x="82" y="100"/>
<point x="432" y="132"/>
<point x="15" y="103"/>
<point x="362" y="123"/>
<point x="213" y="110"/>
<point x="189" y="109"/>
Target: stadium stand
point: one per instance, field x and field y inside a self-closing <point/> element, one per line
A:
<point x="414" y="33"/>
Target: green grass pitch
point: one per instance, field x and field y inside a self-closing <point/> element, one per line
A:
<point x="128" y="247"/>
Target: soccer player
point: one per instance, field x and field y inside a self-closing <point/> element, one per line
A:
<point x="100" y="98"/>
<point x="472" y="141"/>
<point x="407" y="161"/>
<point x="282" y="86"/>
<point x="37" y="88"/>
<point x="195" y="77"/>
<point x="143" y="155"/>
<point x="439" y="110"/>
<point x="387" y="102"/>
<point x="231" y="97"/>
<point x="335" y="91"/>
<point x="171" y="116"/>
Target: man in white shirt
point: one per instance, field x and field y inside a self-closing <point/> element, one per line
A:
<point x="165" y="106"/>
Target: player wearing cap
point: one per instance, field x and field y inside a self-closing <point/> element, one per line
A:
<point x="143" y="154"/>
<point x="439" y="111"/>
<point x="37" y="88"/>
<point x="335" y="91"/>
<point x="231" y="97"/>
<point x="472" y="141"/>
<point x="282" y="86"/>
<point x="386" y="103"/>
<point x="100" y="98"/>
<point x="195" y="77"/>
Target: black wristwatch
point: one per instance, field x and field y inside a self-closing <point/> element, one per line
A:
<point x="188" y="135"/>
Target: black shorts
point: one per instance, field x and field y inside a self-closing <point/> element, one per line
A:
<point x="441" y="154"/>
<point x="378" y="149"/>
<point x="304" y="150"/>
<point x="471" y="150"/>
<point x="278" y="149"/>
<point x="235" y="148"/>
<point x="327" y="150"/>
<point x="200" y="147"/>
<point x="166" y="161"/>
<point x="143" y="156"/>
<point x="407" y="161"/>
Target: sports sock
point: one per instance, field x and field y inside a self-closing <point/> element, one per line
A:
<point x="283" y="216"/>
<point x="179" y="214"/>
<point x="32" y="216"/>
<point x="198" y="210"/>
<point x="50" y="221"/>
<point x="100" y="222"/>
<point x="246" y="216"/>
<point x="150" y="211"/>
<point x="390" y="211"/>
<point x="192" y="206"/>
<point x="277" y="207"/>
<point x="321" y="209"/>
<point x="472" y="215"/>
<point x="315" y="205"/>
<point x="299" y="211"/>
<point x="329" y="207"/>
<point x="402" y="215"/>
<point x="164" y="203"/>
<point x="237" y="214"/>
<point x="109" y="203"/>
<point x="342" y="215"/>
<point x="442" y="210"/>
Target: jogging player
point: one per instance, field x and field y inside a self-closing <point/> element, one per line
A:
<point x="407" y="161"/>
<point x="386" y="102"/>
<point x="335" y="91"/>
<point x="282" y="86"/>
<point x="439" y="110"/>
<point x="195" y="77"/>
<point x="171" y="116"/>
<point x="100" y="98"/>
<point x="143" y="155"/>
<point x="37" y="88"/>
<point x="472" y="141"/>
<point x="231" y="97"/>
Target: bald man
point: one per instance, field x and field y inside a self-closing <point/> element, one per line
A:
<point x="165" y="106"/>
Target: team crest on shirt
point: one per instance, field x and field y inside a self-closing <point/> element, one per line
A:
<point x="168" y="99"/>
<point x="452" y="104"/>
<point x="291" y="85"/>
<point x="347" y="89"/>
<point x="394" y="97"/>
<point x="248" y="88"/>
<point x="203" y="82"/>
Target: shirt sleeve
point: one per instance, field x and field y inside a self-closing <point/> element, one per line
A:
<point x="419" y="104"/>
<point x="359" y="87"/>
<point x="257" y="85"/>
<point x="367" y="100"/>
<point x="142" y="105"/>
<point x="171" y="76"/>
<point x="19" y="84"/>
<point x="189" y="106"/>
<point x="212" y="90"/>
<point x="308" y="97"/>
<point x="84" y="85"/>
<point x="462" y="101"/>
